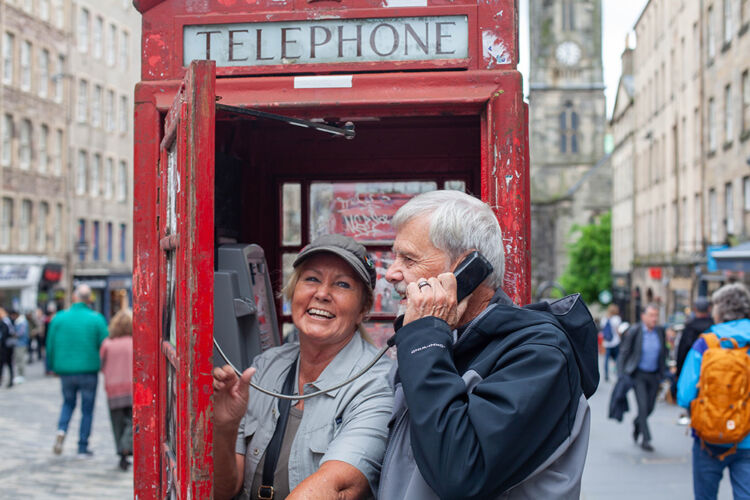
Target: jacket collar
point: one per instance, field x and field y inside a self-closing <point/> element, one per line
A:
<point x="341" y="366"/>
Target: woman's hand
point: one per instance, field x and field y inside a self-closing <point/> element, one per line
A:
<point x="230" y="396"/>
<point x="436" y="297"/>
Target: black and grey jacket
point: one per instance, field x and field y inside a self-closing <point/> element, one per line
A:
<point x="498" y="413"/>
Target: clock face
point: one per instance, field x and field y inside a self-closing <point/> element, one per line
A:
<point x="568" y="53"/>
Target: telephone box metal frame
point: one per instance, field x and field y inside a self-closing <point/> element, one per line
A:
<point x="482" y="87"/>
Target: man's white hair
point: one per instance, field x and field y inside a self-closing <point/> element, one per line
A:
<point x="459" y="223"/>
<point x="82" y="293"/>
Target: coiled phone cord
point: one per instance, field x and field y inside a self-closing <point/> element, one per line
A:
<point x="312" y="394"/>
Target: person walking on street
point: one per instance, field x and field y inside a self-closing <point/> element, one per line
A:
<point x="73" y="342"/>
<point x="7" y="345"/>
<point x="712" y="385"/>
<point x="22" y="345"/>
<point x="693" y="328"/>
<point x="643" y="356"/>
<point x="116" y="354"/>
<point x="610" y="327"/>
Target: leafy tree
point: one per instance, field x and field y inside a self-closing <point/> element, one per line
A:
<point x="589" y="269"/>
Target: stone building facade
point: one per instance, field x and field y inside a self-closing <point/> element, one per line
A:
<point x="689" y="168"/>
<point x="46" y="122"/>
<point x="567" y="124"/>
<point x="104" y="66"/>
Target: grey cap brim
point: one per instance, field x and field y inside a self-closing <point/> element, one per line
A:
<point x="353" y="262"/>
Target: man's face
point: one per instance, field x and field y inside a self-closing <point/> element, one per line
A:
<point x="415" y="256"/>
<point x="650" y="317"/>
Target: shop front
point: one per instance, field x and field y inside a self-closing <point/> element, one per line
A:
<point x="28" y="281"/>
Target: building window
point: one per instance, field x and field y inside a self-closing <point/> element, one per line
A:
<point x="711" y="35"/>
<point x="43" y="72"/>
<point x="24" y="145"/>
<point x="713" y="216"/>
<point x="112" y="45"/>
<point x="124" y="112"/>
<point x="728" y="114"/>
<point x="57" y="233"/>
<point x="24" y="226"/>
<point x="124" y="51"/>
<point x="81" y="240"/>
<point x="43" y="145"/>
<point x="745" y="101"/>
<point x="96" y="169"/>
<point x="108" y="180"/>
<point x="7" y="153"/>
<point x="83" y="98"/>
<point x="59" y="11"/>
<point x="744" y="11"/>
<point x="698" y="213"/>
<point x="110" y="111"/>
<point x="96" y="106"/>
<point x="83" y="30"/>
<point x="9" y="43"/>
<point x="727" y="21"/>
<point x="41" y="226"/>
<point x="711" y="125"/>
<point x="568" y="15"/>
<point x="122" y="182"/>
<point x="109" y="242"/>
<point x="97" y="34"/>
<point x="57" y="153"/>
<point x="81" y="173"/>
<point x="568" y="131"/>
<point x="123" y="242"/>
<point x="95" y="241"/>
<point x="28" y="5"/>
<point x="729" y="208"/>
<point x="26" y="65"/>
<point x="44" y="10"/>
<point x="746" y="193"/>
<point x="7" y="223"/>
<point x="58" y="78"/>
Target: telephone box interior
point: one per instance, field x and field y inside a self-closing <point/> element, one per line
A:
<point x="279" y="186"/>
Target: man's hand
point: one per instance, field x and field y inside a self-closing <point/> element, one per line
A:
<point x="230" y="396"/>
<point x="435" y="297"/>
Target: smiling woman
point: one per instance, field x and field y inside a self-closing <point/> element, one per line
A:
<point x="332" y="445"/>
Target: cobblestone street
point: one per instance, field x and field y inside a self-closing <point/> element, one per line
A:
<point x="29" y="469"/>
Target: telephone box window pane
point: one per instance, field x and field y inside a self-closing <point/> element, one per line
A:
<point x="287" y="260"/>
<point x="362" y="210"/>
<point x="171" y="414"/>
<point x="386" y="299"/>
<point x="289" y="332"/>
<point x="171" y="190"/>
<point x="456" y="185"/>
<point x="379" y="332"/>
<point x="292" y="207"/>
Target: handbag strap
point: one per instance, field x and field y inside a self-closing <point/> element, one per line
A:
<point x="265" y="491"/>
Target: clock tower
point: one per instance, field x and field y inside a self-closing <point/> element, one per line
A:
<point x="567" y="125"/>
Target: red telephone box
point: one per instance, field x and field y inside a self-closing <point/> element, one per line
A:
<point x="431" y="90"/>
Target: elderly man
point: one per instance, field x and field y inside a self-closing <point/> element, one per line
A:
<point x="488" y="397"/>
<point x="73" y="342"/>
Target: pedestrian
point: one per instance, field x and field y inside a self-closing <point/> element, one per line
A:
<point x="51" y="312"/>
<point x="726" y="344"/>
<point x="75" y="336"/>
<point x="643" y="356"/>
<point x="489" y="400"/>
<point x="700" y="323"/>
<point x="610" y="327"/>
<point x="116" y="356"/>
<point x="7" y="345"/>
<point x="22" y="345"/>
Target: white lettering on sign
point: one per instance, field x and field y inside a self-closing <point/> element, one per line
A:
<point x="329" y="41"/>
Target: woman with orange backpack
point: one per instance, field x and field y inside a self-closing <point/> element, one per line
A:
<point x="715" y="385"/>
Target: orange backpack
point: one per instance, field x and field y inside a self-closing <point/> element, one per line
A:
<point x="720" y="414"/>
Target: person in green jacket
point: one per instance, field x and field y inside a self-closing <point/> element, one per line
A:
<point x="73" y="342"/>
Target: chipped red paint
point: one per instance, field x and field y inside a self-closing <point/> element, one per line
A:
<point x="173" y="105"/>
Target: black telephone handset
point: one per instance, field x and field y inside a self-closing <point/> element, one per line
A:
<point x="470" y="273"/>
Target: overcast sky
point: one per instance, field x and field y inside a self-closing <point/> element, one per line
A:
<point x="619" y="18"/>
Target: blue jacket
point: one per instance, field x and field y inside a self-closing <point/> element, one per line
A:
<point x="687" y="386"/>
<point x="499" y="412"/>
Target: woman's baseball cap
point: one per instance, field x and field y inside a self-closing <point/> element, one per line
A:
<point x="348" y="249"/>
